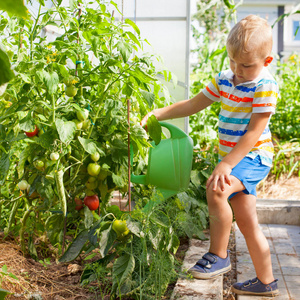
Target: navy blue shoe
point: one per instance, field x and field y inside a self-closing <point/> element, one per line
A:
<point x="256" y="287"/>
<point x="210" y="266"/>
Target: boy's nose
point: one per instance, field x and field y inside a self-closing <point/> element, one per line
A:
<point x="238" y="70"/>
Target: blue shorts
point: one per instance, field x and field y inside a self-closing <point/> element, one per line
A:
<point x="250" y="171"/>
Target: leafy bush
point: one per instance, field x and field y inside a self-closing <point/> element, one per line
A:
<point x="285" y="123"/>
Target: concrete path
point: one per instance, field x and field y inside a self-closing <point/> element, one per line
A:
<point x="284" y="241"/>
<point x="280" y="221"/>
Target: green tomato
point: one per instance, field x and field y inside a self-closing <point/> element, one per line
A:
<point x="39" y="164"/>
<point x="119" y="226"/>
<point x="86" y="124"/>
<point x="71" y="90"/>
<point x="93" y="169"/>
<point x="95" y="156"/>
<point x="124" y="189"/>
<point x="82" y="115"/>
<point x="92" y="183"/>
<point x="23" y="185"/>
<point x="54" y="156"/>
<point x="78" y="124"/>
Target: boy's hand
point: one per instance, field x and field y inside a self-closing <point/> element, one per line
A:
<point x="145" y="119"/>
<point x="220" y="175"/>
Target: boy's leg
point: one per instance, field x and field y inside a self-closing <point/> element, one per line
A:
<point x="217" y="260"/>
<point x="220" y="216"/>
<point x="244" y="207"/>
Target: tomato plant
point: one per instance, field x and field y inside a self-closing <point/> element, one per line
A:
<point x="81" y="149"/>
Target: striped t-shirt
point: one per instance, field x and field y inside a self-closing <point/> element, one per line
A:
<point x="237" y="105"/>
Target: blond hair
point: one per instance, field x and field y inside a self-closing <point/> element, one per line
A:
<point x="251" y="34"/>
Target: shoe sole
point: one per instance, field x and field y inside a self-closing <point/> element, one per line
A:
<point x="199" y="275"/>
<point x="269" y="293"/>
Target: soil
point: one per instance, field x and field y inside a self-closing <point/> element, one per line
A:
<point x="39" y="280"/>
<point x="283" y="188"/>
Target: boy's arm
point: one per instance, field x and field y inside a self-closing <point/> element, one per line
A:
<point x="180" y="109"/>
<point x="257" y="125"/>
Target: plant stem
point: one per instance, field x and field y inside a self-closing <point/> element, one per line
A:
<point x="33" y="31"/>
<point x="22" y="230"/>
<point x="53" y="108"/>
<point x="128" y="144"/>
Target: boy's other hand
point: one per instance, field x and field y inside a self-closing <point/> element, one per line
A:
<point x="221" y="176"/>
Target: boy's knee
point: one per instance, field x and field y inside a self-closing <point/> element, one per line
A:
<point x="214" y="197"/>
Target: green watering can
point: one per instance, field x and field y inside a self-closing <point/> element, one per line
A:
<point x="169" y="163"/>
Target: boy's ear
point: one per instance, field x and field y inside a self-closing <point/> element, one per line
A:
<point x="268" y="61"/>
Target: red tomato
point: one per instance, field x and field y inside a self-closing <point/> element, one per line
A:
<point x="78" y="203"/>
<point x="32" y="133"/>
<point x="92" y="202"/>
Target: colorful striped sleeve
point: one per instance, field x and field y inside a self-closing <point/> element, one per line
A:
<point x="265" y="97"/>
<point x="212" y="90"/>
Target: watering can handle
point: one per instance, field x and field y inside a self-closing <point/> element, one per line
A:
<point x="141" y="179"/>
<point x="174" y="130"/>
<point x="175" y="133"/>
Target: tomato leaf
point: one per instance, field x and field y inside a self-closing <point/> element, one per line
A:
<point x="133" y="37"/>
<point x="54" y="228"/>
<point x="122" y="270"/>
<point x="4" y="166"/>
<point x="149" y="97"/>
<point x="47" y="139"/>
<point x="76" y="247"/>
<point x="125" y="50"/>
<point x="27" y="123"/>
<point x="154" y="129"/>
<point x="88" y="218"/>
<point x="133" y="25"/>
<point x="51" y="81"/>
<point x="3" y="293"/>
<point x="90" y="146"/>
<point x="6" y="73"/>
<point x="15" y="7"/>
<point x="22" y="160"/>
<point x="160" y="218"/>
<point x="66" y="130"/>
<point x="107" y="239"/>
<point x="134" y="226"/>
<point x="118" y="180"/>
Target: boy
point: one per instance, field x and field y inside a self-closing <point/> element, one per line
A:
<point x="248" y="95"/>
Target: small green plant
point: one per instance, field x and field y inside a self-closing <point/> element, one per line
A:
<point x="286" y="160"/>
<point x="4" y="274"/>
<point x="45" y="262"/>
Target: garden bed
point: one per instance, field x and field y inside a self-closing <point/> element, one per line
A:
<point x="55" y="281"/>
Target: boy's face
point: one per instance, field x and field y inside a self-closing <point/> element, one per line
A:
<point x="247" y="66"/>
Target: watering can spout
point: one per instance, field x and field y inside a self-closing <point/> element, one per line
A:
<point x="169" y="163"/>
